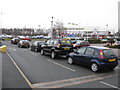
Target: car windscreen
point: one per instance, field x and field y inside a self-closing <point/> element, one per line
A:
<point x="108" y="52"/>
<point x="117" y="41"/>
<point x="25" y="41"/>
<point x="66" y="42"/>
<point x="40" y="43"/>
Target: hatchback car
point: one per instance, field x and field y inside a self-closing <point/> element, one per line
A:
<point x="36" y="46"/>
<point x="24" y="43"/>
<point x="96" y="58"/>
<point x="57" y="47"/>
<point x="15" y="40"/>
<point x="80" y="43"/>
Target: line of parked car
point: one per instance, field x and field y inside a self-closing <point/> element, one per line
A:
<point x="80" y="52"/>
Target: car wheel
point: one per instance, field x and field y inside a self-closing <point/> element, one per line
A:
<point x="70" y="60"/>
<point x="94" y="67"/>
<point x="42" y="52"/>
<point x="53" y="55"/>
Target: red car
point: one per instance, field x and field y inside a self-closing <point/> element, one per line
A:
<point x="26" y="39"/>
<point x="80" y="43"/>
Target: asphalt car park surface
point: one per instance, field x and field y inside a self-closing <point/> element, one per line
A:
<point x="44" y="72"/>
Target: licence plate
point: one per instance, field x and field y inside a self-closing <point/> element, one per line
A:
<point x="66" y="48"/>
<point x="111" y="60"/>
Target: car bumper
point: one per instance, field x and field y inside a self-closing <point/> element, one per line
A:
<point x="108" y="65"/>
<point x="25" y="45"/>
<point x="63" y="52"/>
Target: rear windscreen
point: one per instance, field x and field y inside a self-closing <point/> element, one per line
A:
<point x="66" y="42"/>
<point x="108" y="52"/>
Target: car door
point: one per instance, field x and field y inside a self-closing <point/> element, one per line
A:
<point x="46" y="46"/>
<point x="32" y="46"/>
<point x="78" y="57"/>
<point x="35" y="46"/>
<point x="87" y="56"/>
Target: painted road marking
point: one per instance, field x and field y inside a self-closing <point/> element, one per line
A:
<point x="61" y="65"/>
<point x="109" y="84"/>
<point x="61" y="83"/>
<point x="26" y="79"/>
<point x="33" y="53"/>
<point x="67" y="82"/>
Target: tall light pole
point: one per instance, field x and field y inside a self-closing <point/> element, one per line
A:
<point x="1" y="24"/>
<point x="52" y="28"/>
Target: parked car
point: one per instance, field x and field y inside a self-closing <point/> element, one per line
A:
<point x="57" y="47"/>
<point x="104" y="40"/>
<point x="36" y="46"/>
<point x="80" y="43"/>
<point x="110" y="42"/>
<point x="117" y="43"/>
<point x="24" y="43"/>
<point x="94" y="57"/>
<point x="15" y="40"/>
<point x="26" y="39"/>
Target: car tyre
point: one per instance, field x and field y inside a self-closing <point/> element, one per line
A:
<point x="53" y="55"/>
<point x="94" y="67"/>
<point x="70" y="60"/>
<point x="42" y="52"/>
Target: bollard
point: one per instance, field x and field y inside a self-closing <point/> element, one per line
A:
<point x="3" y="48"/>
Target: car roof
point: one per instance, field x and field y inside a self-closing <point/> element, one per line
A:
<point x="99" y="47"/>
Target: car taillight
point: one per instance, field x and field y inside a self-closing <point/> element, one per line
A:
<point x="101" y="54"/>
<point x="58" y="45"/>
<point x="101" y="57"/>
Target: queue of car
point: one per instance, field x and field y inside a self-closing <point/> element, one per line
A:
<point x="79" y="51"/>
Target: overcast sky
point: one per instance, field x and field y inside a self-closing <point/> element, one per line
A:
<point x="31" y="13"/>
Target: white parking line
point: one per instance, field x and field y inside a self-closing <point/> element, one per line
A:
<point x="33" y="53"/>
<point x="61" y="65"/>
<point x="109" y="84"/>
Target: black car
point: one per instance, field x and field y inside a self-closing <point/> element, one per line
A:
<point x="57" y="47"/>
<point x="96" y="58"/>
<point x="36" y="46"/>
<point x="24" y="43"/>
<point x="15" y="40"/>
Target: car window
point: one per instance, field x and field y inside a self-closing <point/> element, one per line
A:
<point x="40" y="43"/>
<point x="81" y="50"/>
<point x="89" y="51"/>
<point x="108" y="52"/>
<point x="65" y="42"/>
<point x="51" y="42"/>
<point x="35" y="44"/>
<point x="95" y="52"/>
<point x="48" y="42"/>
<point x="55" y="42"/>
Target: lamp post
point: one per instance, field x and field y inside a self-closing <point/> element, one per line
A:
<point x="52" y="28"/>
<point x="1" y="23"/>
<point x="1" y="29"/>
